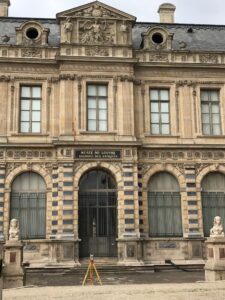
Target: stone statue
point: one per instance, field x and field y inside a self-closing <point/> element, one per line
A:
<point x="14" y="230"/>
<point x="217" y="230"/>
<point x="68" y="27"/>
<point x="124" y="30"/>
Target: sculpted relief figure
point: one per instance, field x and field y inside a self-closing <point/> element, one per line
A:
<point x="14" y="230"/>
<point x="124" y="30"/>
<point x="68" y="27"/>
<point x="217" y="230"/>
<point x="95" y="33"/>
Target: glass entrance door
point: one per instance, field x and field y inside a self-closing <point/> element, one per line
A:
<point x="97" y="215"/>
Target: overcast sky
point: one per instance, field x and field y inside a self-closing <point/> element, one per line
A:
<point x="188" y="11"/>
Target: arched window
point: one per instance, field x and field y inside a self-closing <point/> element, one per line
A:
<point x="28" y="205"/>
<point x="213" y="199"/>
<point x="97" y="214"/>
<point x="164" y="206"/>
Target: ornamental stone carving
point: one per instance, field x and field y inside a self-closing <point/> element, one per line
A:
<point x="208" y="58"/>
<point x="96" y="51"/>
<point x="14" y="230"/>
<point x="217" y="230"/>
<point x="31" y="52"/>
<point x="96" y="32"/>
<point x="97" y="12"/>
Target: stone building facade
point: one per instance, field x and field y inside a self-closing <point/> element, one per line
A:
<point x="111" y="135"/>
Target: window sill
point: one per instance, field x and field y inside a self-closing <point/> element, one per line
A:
<point x="211" y="136"/>
<point x="161" y="135"/>
<point x="30" y="134"/>
<point x="98" y="132"/>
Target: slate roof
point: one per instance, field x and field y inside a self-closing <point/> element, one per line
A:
<point x="203" y="38"/>
<point x="8" y="25"/>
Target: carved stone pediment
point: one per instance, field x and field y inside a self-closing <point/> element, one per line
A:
<point x="94" y="10"/>
<point x="96" y="24"/>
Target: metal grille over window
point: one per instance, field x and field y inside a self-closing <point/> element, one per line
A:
<point x="164" y="206"/>
<point x="210" y="107"/>
<point x="213" y="199"/>
<point x="97" y="109"/>
<point x="28" y="205"/>
<point x="160" y="113"/>
<point x="30" y="109"/>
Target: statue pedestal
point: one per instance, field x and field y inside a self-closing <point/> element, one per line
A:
<point x="13" y="271"/>
<point x="215" y="266"/>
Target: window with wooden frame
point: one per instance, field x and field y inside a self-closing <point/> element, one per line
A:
<point x="160" y="111"/>
<point x="30" y="109"/>
<point x="97" y="107"/>
<point x="210" y="111"/>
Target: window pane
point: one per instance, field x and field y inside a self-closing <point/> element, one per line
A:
<point x="36" y="105"/>
<point x="155" y="129"/>
<point x="165" y="129"/>
<point x="91" y="103"/>
<point x="25" y="92"/>
<point x="205" y="108"/>
<point x="92" y="114"/>
<point x="36" y="92"/>
<point x="92" y="90"/>
<point x="102" y="114"/>
<point x="214" y="96"/>
<point x="102" y="126"/>
<point x="216" y="118"/>
<point x="36" y="128"/>
<point x="154" y="118"/>
<point x="215" y="108"/>
<point x="164" y="95"/>
<point x="25" y="115"/>
<point x="154" y="95"/>
<point x="91" y="125"/>
<point x="25" y="104"/>
<point x="24" y="127"/>
<point x="154" y="107"/>
<point x="36" y="116"/>
<point x="216" y="129"/>
<point x="205" y="118"/>
<point x="102" y="104"/>
<point x="165" y="118"/>
<point x="205" y="96"/>
<point x="164" y="107"/>
<point x="206" y="129"/>
<point x="102" y="90"/>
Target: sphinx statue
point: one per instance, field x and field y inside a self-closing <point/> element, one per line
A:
<point x="217" y="229"/>
<point x="14" y="230"/>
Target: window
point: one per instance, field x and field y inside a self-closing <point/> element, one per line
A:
<point x="164" y="206"/>
<point x="30" y="109"/>
<point x="97" y="107"/>
<point x="213" y="199"/>
<point x="210" y="112"/>
<point x="159" y="109"/>
<point x="28" y="205"/>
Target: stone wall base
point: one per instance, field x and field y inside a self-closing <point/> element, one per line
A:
<point x="10" y="282"/>
<point x="211" y="275"/>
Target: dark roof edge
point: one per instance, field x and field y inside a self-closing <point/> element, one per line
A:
<point x="179" y="24"/>
<point x="27" y="19"/>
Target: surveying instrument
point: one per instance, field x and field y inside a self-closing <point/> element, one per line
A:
<point x="90" y="270"/>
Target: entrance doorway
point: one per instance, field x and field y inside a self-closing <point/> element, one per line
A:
<point x="97" y="214"/>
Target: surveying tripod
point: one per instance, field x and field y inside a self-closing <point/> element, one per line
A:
<point x="90" y="270"/>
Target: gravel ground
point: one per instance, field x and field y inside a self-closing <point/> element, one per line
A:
<point x="184" y="291"/>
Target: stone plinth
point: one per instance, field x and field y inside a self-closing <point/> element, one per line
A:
<point x="13" y="271"/>
<point x="215" y="266"/>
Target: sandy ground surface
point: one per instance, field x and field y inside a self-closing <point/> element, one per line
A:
<point x="171" y="291"/>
